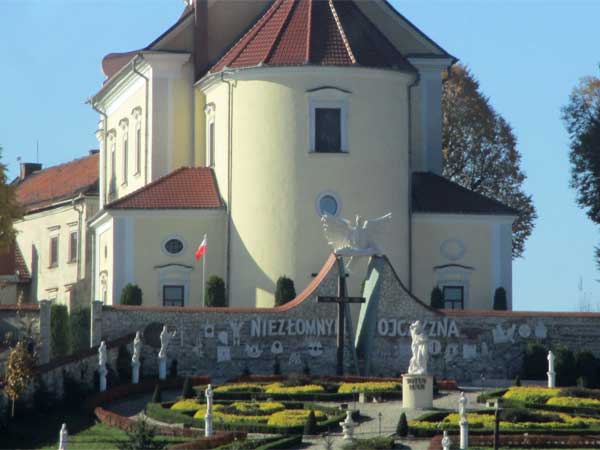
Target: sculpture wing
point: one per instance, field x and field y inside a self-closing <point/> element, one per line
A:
<point x="379" y="225"/>
<point x="337" y="231"/>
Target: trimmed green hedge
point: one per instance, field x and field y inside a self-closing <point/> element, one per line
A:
<point x="302" y="397"/>
<point x="156" y="411"/>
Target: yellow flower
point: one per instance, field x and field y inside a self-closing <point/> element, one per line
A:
<point x="574" y="402"/>
<point x="279" y="388"/>
<point x="380" y="386"/>
<point x="293" y="417"/>
<point x="531" y="394"/>
<point x="189" y="404"/>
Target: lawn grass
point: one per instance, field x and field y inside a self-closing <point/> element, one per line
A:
<point x="41" y="433"/>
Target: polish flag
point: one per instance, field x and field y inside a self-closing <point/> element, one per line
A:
<point x="201" y="249"/>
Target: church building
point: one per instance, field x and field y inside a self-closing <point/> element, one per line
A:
<point x="246" y="121"/>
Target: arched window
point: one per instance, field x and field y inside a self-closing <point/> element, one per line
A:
<point x="210" y="134"/>
<point x="124" y="124"/>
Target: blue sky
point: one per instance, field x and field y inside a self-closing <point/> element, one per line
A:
<point x="527" y="56"/>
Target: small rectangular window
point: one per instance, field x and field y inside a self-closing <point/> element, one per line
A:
<point x="54" y="251"/>
<point x="454" y="297"/>
<point x="173" y="295"/>
<point x="113" y="175"/>
<point x="138" y="150"/>
<point x="328" y="130"/>
<point x="211" y="143"/>
<point x="73" y="241"/>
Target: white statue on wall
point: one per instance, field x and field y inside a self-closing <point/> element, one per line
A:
<point x="356" y="239"/>
<point x="137" y="348"/>
<point x="462" y="406"/>
<point x="165" y="338"/>
<point x="419" y="347"/>
<point x="102" y="356"/>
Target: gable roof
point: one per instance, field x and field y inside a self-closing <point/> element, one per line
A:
<point x="435" y="194"/>
<point x="13" y="263"/>
<point x="313" y="32"/>
<point x="58" y="183"/>
<point x="184" y="188"/>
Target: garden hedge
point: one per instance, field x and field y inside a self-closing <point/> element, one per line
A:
<point x="528" y="441"/>
<point x="217" y="440"/>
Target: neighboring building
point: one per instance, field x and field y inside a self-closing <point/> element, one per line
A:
<point x="318" y="107"/>
<point x="53" y="236"/>
<point x="14" y="277"/>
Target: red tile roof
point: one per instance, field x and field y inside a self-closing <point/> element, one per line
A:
<point x="12" y="262"/>
<point x="45" y="187"/>
<point x="184" y="188"/>
<point x="317" y="32"/>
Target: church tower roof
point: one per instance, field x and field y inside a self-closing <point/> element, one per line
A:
<point x="313" y="32"/>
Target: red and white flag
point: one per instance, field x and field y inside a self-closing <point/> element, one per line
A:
<point x="201" y="249"/>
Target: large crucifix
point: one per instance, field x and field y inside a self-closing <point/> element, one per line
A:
<point x="342" y="300"/>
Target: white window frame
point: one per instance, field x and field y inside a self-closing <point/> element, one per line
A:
<point x="174" y="275"/>
<point x="137" y="116"/>
<point x="124" y="124"/>
<point x="53" y="233"/>
<point x="71" y="233"/>
<point x="209" y="111"/>
<point x="167" y="239"/>
<point x="342" y="105"/>
<point x="455" y="275"/>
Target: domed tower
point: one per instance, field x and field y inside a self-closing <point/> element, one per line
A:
<point x="310" y="112"/>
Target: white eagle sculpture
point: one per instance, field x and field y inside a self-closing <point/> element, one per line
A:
<point x="356" y="239"/>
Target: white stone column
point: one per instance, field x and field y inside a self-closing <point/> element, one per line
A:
<point x="102" y="365"/>
<point x="464" y="434"/>
<point x="162" y="367"/>
<point x="446" y="441"/>
<point x="208" y="417"/>
<point x="63" y="437"/>
<point x="551" y="373"/>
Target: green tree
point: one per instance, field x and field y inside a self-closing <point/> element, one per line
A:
<point x="586" y="367"/>
<point x="19" y="373"/>
<point x="9" y="209"/>
<point x="60" y="331"/>
<point x="310" y="427"/>
<point x="480" y="150"/>
<point x="131" y="295"/>
<point x="188" y="390"/>
<point x="123" y="364"/>
<point x="581" y="116"/>
<point x="157" y="395"/>
<point x="142" y="437"/>
<point x="402" y="428"/>
<point x="500" y="302"/>
<point x="215" y="292"/>
<point x="534" y="362"/>
<point x="566" y="370"/>
<point x="437" y="298"/>
<point x="284" y="291"/>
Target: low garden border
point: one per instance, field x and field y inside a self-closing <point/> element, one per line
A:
<point x="529" y="440"/>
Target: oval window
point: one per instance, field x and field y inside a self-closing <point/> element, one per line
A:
<point x="174" y="246"/>
<point x="328" y="205"/>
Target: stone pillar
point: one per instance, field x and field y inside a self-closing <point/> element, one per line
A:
<point x="135" y="373"/>
<point x="63" y="437"/>
<point x="417" y="391"/>
<point x="551" y="373"/>
<point x="446" y="441"/>
<point x="96" y="323"/>
<point x="102" y="373"/>
<point x="464" y="434"/>
<point x="45" y="333"/>
<point x="162" y="368"/>
<point x="208" y="418"/>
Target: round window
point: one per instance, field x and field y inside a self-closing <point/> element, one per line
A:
<point x="328" y="205"/>
<point x="174" y="246"/>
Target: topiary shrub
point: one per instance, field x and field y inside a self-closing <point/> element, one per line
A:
<point x="215" y="292"/>
<point x="157" y="395"/>
<point x="188" y="390"/>
<point x="500" y="302"/>
<point x="284" y="291"/>
<point x="43" y="399"/>
<point x="79" y="322"/>
<point x="131" y="295"/>
<point x="142" y="436"/>
<point x="535" y="362"/>
<point x="566" y="371"/>
<point x="437" y="298"/>
<point x="310" y="427"/>
<point x="173" y="369"/>
<point x="517" y="381"/>
<point x="586" y="367"/>
<point x="402" y="428"/>
<point x="60" y="331"/>
<point x="276" y="367"/>
<point x="124" y="364"/>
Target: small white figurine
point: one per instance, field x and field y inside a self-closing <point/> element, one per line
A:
<point x="165" y="339"/>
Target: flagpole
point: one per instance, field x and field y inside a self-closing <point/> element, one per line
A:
<point x="204" y="272"/>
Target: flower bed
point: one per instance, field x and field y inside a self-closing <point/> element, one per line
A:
<point x="530" y="395"/>
<point x="264" y="417"/>
<point x="573" y="402"/>
<point x="370" y="387"/>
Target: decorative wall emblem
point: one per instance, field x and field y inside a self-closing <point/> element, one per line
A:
<point x="209" y="330"/>
<point x="253" y="351"/>
<point x="277" y="348"/>
<point x="524" y="330"/>
<point x="503" y="337"/>
<point x="223" y="353"/>
<point x="540" y="330"/>
<point x="314" y="348"/>
<point x="453" y="249"/>
<point x="236" y="328"/>
<point x="223" y="337"/>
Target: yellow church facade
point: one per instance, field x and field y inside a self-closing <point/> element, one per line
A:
<point x="247" y="121"/>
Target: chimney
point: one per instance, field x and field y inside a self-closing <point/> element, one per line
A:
<point x="29" y="168"/>
<point x="94" y="152"/>
<point x="200" y="37"/>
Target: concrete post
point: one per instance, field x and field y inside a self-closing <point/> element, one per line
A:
<point x="96" y="323"/>
<point x="45" y="333"/>
<point x="162" y="368"/>
<point x="63" y="437"/>
<point x="464" y="434"/>
<point x="135" y="372"/>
